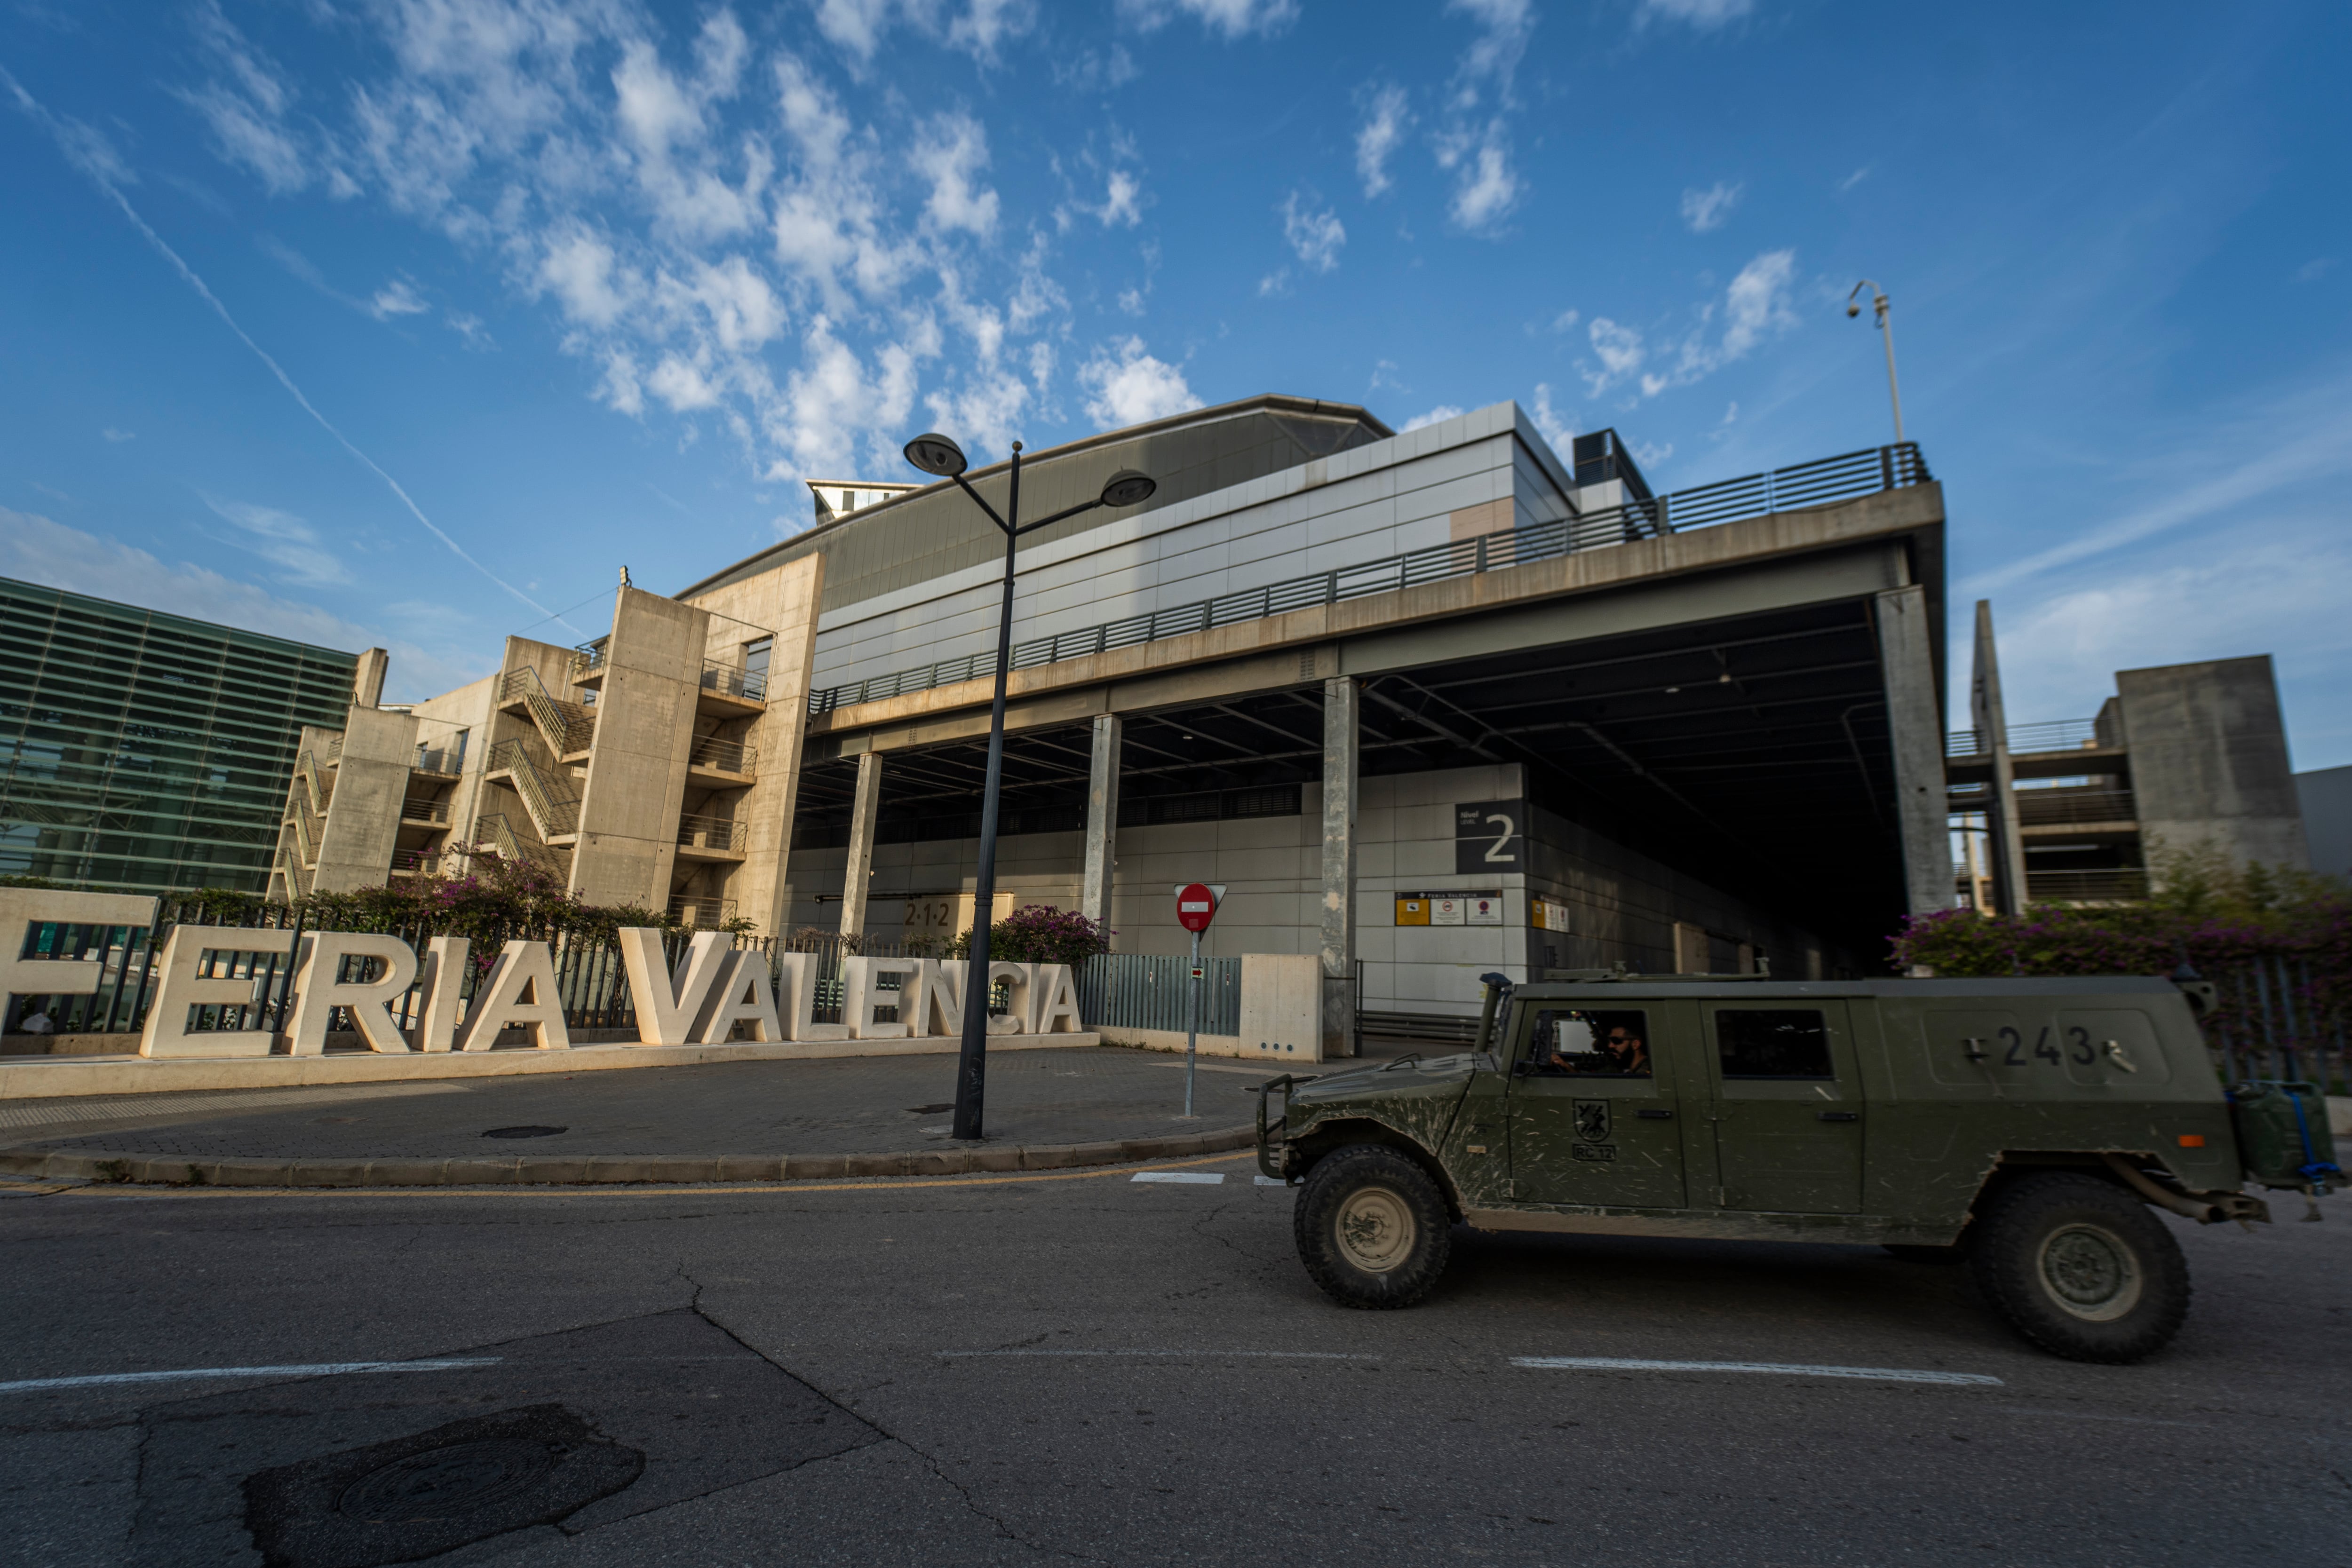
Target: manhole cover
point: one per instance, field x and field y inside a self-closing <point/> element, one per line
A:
<point x="524" y="1132"/>
<point x="420" y="1496"/>
<point x="929" y="1110"/>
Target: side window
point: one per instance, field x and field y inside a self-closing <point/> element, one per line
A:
<point x="1596" y="1042"/>
<point x="1776" y="1044"/>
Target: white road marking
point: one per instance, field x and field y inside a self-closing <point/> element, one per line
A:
<point x="1280" y="1355"/>
<point x="1271" y="1181"/>
<point x="1186" y="1178"/>
<point x="1873" y="1373"/>
<point x="324" y="1369"/>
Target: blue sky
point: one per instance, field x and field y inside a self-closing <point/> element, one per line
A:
<point x="407" y="321"/>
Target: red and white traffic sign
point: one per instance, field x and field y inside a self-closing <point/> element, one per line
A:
<point x="1195" y="907"/>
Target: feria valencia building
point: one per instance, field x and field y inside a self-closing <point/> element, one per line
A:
<point x="1427" y="705"/>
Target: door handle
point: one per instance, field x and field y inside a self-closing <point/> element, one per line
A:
<point x="1655" y="1115"/>
<point x="1840" y="1115"/>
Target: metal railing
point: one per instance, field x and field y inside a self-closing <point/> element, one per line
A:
<point x="416" y="863"/>
<point x="587" y="659"/>
<point x="567" y="726"/>
<point x="432" y="811"/>
<point x="2043" y="807"/>
<point x="297" y="875"/>
<point x="553" y="811"/>
<point x="500" y="834"/>
<point x="1758" y="495"/>
<point x="306" y="767"/>
<point x="2055" y="735"/>
<point x="725" y="755"/>
<point x="1150" y="990"/>
<point x="448" y="764"/>
<point x="712" y="833"/>
<point x="2111" y="886"/>
<point x="706" y="912"/>
<point x="734" y="681"/>
<point x="306" y="848"/>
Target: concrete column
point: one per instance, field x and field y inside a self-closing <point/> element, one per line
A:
<point x="1342" y="704"/>
<point x="363" y="825"/>
<point x="1990" y="719"/>
<point x="861" y="844"/>
<point x="1102" y="819"/>
<point x="636" y="786"/>
<point x="1915" y="726"/>
<point x="367" y="678"/>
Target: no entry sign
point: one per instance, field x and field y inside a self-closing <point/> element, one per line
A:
<point x="1195" y="907"/>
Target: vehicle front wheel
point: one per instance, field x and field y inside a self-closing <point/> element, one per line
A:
<point x="1372" y="1229"/>
<point x="2082" y="1268"/>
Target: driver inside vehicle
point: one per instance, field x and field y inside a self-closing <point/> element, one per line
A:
<point x="1609" y="1044"/>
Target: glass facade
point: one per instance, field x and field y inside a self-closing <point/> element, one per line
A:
<point x="142" y="752"/>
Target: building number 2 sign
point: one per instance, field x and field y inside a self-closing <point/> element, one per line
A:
<point x="1490" y="836"/>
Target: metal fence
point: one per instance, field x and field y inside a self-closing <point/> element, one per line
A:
<point x="1758" y="495"/>
<point x="1150" y="990"/>
<point x="2280" y="1017"/>
<point x="2050" y="734"/>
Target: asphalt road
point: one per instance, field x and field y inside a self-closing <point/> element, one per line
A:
<point x="1082" y="1368"/>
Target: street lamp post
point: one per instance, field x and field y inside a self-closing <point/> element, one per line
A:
<point x="935" y="454"/>
<point x="1886" y="330"/>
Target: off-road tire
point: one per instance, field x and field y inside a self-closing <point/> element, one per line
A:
<point x="1910" y="1252"/>
<point x="1372" y="1229"/>
<point x="2081" y="1268"/>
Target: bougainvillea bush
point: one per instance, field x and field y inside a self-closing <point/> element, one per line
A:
<point x="1036" y="933"/>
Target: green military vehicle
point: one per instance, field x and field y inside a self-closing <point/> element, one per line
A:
<point x="2021" y="1126"/>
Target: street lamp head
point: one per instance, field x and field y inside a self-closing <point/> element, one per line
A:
<point x="1127" y="488"/>
<point x="1852" y="309"/>
<point x="935" y="454"/>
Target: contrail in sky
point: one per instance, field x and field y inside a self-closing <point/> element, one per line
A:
<point x="88" y="152"/>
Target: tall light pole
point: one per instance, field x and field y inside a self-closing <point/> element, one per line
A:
<point x="1886" y="330"/>
<point x="935" y="454"/>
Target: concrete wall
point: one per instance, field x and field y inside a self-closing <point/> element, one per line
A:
<point x="364" y="815"/>
<point x="784" y="603"/>
<point x="2209" y="760"/>
<point x="2326" y="796"/>
<point x="1488" y="468"/>
<point x="636" y="772"/>
<point x="474" y="709"/>
<point x="1620" y="904"/>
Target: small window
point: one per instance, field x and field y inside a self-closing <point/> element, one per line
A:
<point x="1595" y="1044"/>
<point x="1776" y="1044"/>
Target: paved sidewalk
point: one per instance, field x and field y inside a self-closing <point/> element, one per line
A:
<point x="749" y="1110"/>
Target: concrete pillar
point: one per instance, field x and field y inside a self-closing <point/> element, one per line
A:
<point x="1342" y="704"/>
<point x="1102" y="819"/>
<point x="367" y="678"/>
<point x="635" y="786"/>
<point x="1990" y="719"/>
<point x="2209" y="763"/>
<point x="1914" y="727"/>
<point x="363" y="825"/>
<point x="860" y="873"/>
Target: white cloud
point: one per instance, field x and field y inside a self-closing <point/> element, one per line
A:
<point x="1485" y="187"/>
<point x="2314" y="270"/>
<point x="1557" y="430"/>
<point x="476" y="335"/>
<point x="284" y="540"/>
<point x="1130" y="387"/>
<point x="1438" y="415"/>
<point x="36" y="549"/>
<point x="858" y="26"/>
<point x="580" y="269"/>
<point x="1619" y="349"/>
<point x="1387" y="117"/>
<point x="952" y="150"/>
<point x="1650" y="455"/>
<point x="245" y="105"/>
<point x="1493" y="58"/>
<point x="1564" y="321"/>
<point x="1754" y="308"/>
<point x="118" y="436"/>
<point x="1315" y="237"/>
<point x="1706" y="210"/>
<point x="681" y="385"/>
<point x="1121" y="205"/>
<point x="1856" y="178"/>
<point x="1274" y="283"/>
<point x="1704" y="15"/>
<point x="1229" y="18"/>
<point x="398" y="298"/>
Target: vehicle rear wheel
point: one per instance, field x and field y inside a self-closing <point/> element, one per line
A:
<point x="2081" y="1268"/>
<point x="1372" y="1229"/>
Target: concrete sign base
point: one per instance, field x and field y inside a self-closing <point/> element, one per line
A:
<point x="25" y="1078"/>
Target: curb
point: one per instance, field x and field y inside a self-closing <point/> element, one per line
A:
<point x="605" y="1169"/>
